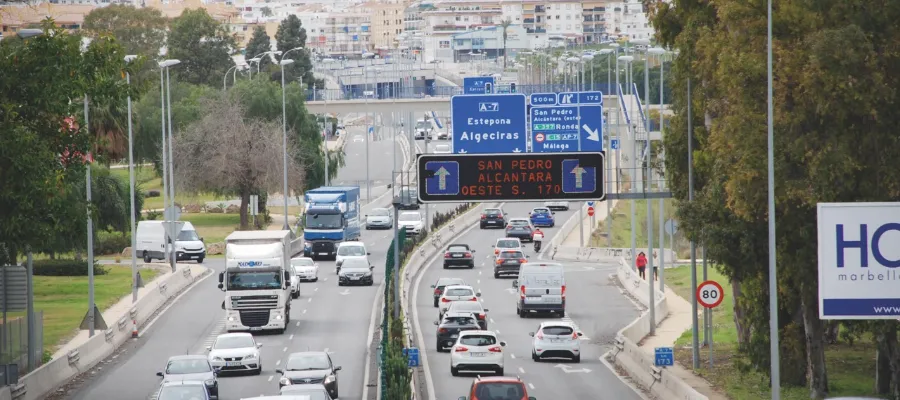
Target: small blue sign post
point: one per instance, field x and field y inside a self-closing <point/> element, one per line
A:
<point x="492" y="123"/>
<point x="664" y="356"/>
<point x="590" y="204"/>
<point x="412" y="357"/>
<point x="476" y="84"/>
<point x="578" y="179"/>
<point x="614" y="143"/>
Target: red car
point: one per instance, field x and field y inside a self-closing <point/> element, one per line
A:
<point x="497" y="387"/>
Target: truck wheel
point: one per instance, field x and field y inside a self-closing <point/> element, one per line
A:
<point x="147" y="258"/>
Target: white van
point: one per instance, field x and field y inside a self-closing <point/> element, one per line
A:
<point x="541" y="287"/>
<point x="150" y="242"/>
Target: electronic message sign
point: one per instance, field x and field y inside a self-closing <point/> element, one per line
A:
<point x="510" y="177"/>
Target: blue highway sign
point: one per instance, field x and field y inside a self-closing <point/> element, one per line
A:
<point x="567" y="128"/>
<point x="664" y="356"/>
<point x="445" y="181"/>
<point x="543" y="99"/>
<point x="476" y="84"/>
<point x="614" y="143"/>
<point x="590" y="98"/>
<point x="412" y="356"/>
<point x="577" y="178"/>
<point x="492" y="123"/>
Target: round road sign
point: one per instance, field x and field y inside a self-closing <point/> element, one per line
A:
<point x="710" y="294"/>
<point x="539" y="137"/>
<point x="591" y="211"/>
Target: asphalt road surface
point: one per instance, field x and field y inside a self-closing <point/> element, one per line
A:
<point x="593" y="303"/>
<point x="325" y="317"/>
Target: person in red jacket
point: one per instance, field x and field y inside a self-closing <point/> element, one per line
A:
<point x="641" y="263"/>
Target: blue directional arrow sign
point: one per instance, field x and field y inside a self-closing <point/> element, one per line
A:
<point x="578" y="179"/>
<point x="614" y="143"/>
<point x="445" y="181"/>
<point x="475" y="84"/>
<point x="491" y="123"/>
<point x="543" y="99"/>
<point x="567" y="128"/>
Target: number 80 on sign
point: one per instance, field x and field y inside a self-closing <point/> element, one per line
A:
<point x="710" y="294"/>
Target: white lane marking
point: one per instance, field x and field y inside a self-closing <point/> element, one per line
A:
<point x="186" y="290"/>
<point x="513" y="356"/>
<point x="479" y="282"/>
<point x="277" y="363"/>
<point x="479" y="272"/>
<point x="521" y="370"/>
<point x="309" y="300"/>
<point x="291" y="337"/>
<point x="298" y="322"/>
<point x="316" y="290"/>
<point x="324" y="279"/>
<point x="497" y="330"/>
<point x="326" y="349"/>
<point x="284" y="350"/>
<point x="492" y="320"/>
<point x="530" y="386"/>
<point x="270" y="379"/>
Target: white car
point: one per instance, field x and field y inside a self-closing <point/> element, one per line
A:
<point x="456" y="293"/>
<point x="380" y="218"/>
<point x="507" y="244"/>
<point x="412" y="221"/>
<point x="557" y="205"/>
<point x="477" y="351"/>
<point x="235" y="352"/>
<point x="347" y="250"/>
<point x="556" y="339"/>
<point x="442" y="149"/>
<point x="305" y="269"/>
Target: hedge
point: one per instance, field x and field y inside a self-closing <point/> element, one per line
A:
<point x="65" y="268"/>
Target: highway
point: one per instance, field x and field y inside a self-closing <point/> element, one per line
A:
<point x="593" y="303"/>
<point x="325" y="317"/>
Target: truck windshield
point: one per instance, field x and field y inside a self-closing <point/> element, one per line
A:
<point x="253" y="280"/>
<point x="422" y="125"/>
<point x="324" y="221"/>
<point x="408" y="196"/>
<point x="188" y="235"/>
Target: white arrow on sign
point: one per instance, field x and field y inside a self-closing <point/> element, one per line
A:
<point x="567" y="369"/>
<point x="592" y="134"/>
<point x="516" y="150"/>
<point x="345" y="292"/>
<point x="462" y="151"/>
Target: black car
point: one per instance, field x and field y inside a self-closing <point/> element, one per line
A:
<point x="179" y="390"/>
<point x="409" y="198"/>
<point x="521" y="229"/>
<point x="508" y="262"/>
<point x="441" y="284"/>
<point x="310" y="367"/>
<point x="492" y="217"/>
<point x="459" y="254"/>
<point x="470" y="307"/>
<point x="191" y="368"/>
<point x="356" y="271"/>
<point x="449" y="328"/>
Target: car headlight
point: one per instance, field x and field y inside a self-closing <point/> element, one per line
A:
<point x="284" y="381"/>
<point x="329" y="379"/>
<point x="252" y="357"/>
<point x="210" y="382"/>
<point x="217" y="358"/>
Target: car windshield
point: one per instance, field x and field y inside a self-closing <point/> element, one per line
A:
<point x="557" y="330"/>
<point x="410" y="217"/>
<point x="478" y="340"/>
<point x="246" y="280"/>
<point x="308" y="362"/>
<point x="492" y="211"/>
<point x="304" y="393"/>
<point x="188" y="235"/>
<point x="512" y="254"/>
<point x="518" y="222"/>
<point x="422" y="125"/>
<point x="457" y="249"/>
<point x="508" y="244"/>
<point x="460" y="320"/>
<point x="467" y="306"/>
<point x="449" y="281"/>
<point x="459" y="292"/>
<point x="234" y="342"/>
<point x="380" y="212"/>
<point x="182" y="392"/>
<point x="324" y="221"/>
<point x="354" y="263"/>
<point x="197" y="366"/>
<point x="500" y="391"/>
<point x="540" y="211"/>
<point x="353" y="251"/>
<point x="302" y="262"/>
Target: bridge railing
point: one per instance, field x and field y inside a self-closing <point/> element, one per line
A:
<point x="388" y="91"/>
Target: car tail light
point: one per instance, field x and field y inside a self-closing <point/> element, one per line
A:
<point x="483" y="216"/>
<point x="496" y="251"/>
<point x="437" y="292"/>
<point x="442" y="330"/>
<point x="499" y="215"/>
<point x="460" y="349"/>
<point x="481" y="316"/>
<point x="495" y="349"/>
<point x="474" y="299"/>
<point x="499" y="261"/>
<point x="522" y="289"/>
<point x="522" y="260"/>
<point x="563" y="291"/>
<point x="574" y="335"/>
<point x="447" y="255"/>
<point x="540" y="336"/>
<point x="445" y="300"/>
<point x="468" y="254"/>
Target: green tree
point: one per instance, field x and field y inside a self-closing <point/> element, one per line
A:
<point x="203" y="45"/>
<point x="40" y="145"/>
<point x="141" y="31"/>
<point x="259" y="43"/>
<point x="504" y="26"/>
<point x="292" y="35"/>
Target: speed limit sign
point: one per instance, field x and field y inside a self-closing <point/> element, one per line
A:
<point x="710" y="294"/>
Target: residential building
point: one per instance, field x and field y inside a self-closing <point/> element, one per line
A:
<point x="450" y="17"/>
<point x="594" y="21"/>
<point x="488" y="42"/>
<point x="628" y="19"/>
<point x="563" y="19"/>
<point x="21" y="16"/>
<point x="387" y="21"/>
<point x="348" y="32"/>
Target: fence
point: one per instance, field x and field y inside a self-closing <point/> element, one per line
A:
<point x="14" y="345"/>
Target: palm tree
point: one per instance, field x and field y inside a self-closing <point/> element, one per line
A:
<point x="505" y="24"/>
<point x="109" y="122"/>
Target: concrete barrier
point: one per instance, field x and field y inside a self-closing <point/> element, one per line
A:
<point x="639" y="363"/>
<point x="58" y="371"/>
<point x="572" y="253"/>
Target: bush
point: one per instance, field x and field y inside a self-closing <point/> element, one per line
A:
<point x="108" y="243"/>
<point x="153" y="215"/>
<point x="152" y="193"/>
<point x="65" y="268"/>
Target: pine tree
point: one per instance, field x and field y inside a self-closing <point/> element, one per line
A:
<point x="259" y="43"/>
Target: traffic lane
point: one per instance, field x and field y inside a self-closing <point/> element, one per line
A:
<point x="492" y="292"/>
<point x="326" y="317"/>
<point x="380" y="153"/>
<point x="180" y="329"/>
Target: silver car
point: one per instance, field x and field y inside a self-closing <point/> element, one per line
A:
<point x="191" y="368"/>
<point x="305" y="269"/>
<point x="235" y="352"/>
<point x="380" y="218"/>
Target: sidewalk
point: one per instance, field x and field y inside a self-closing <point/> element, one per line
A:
<point x="122" y="309"/>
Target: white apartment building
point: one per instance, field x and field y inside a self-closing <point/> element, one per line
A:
<point x="628" y="19"/>
<point x="449" y="17"/>
<point x="564" y="19"/>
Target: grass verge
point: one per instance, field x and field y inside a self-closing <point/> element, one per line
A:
<point x="851" y="368"/>
<point x="147" y="179"/>
<point x="621" y="225"/>
<point x="213" y="228"/>
<point x="64" y="299"/>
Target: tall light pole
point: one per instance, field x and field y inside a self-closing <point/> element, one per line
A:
<point x="662" y="206"/>
<point x="608" y="142"/>
<point x="628" y="60"/>
<point x="250" y="65"/>
<point x="168" y="175"/>
<point x="282" y="63"/>
<point x="134" y="281"/>
<point x="225" y="78"/>
<point x="647" y="185"/>
<point x="259" y="57"/>
<point x="773" y="282"/>
<point x="588" y="58"/>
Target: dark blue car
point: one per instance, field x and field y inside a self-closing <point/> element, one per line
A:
<point x="542" y="216"/>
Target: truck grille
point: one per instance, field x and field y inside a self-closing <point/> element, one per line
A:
<point x="254" y="317"/>
<point x="254" y="302"/>
<point x="323" y="247"/>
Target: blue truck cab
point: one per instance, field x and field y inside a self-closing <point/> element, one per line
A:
<point x="332" y="217"/>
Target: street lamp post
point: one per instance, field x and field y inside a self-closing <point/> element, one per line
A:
<point x="628" y="60"/>
<point x="250" y="65"/>
<point x="168" y="175"/>
<point x="590" y="59"/>
<point x="607" y="141"/>
<point x="662" y="206"/>
<point x="284" y="62"/>
<point x="773" y="282"/>
<point x="259" y="57"/>
<point x="225" y="78"/>
<point x="134" y="281"/>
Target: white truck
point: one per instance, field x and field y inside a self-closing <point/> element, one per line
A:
<point x="257" y="281"/>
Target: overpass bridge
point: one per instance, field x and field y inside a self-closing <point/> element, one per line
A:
<point x="438" y="104"/>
